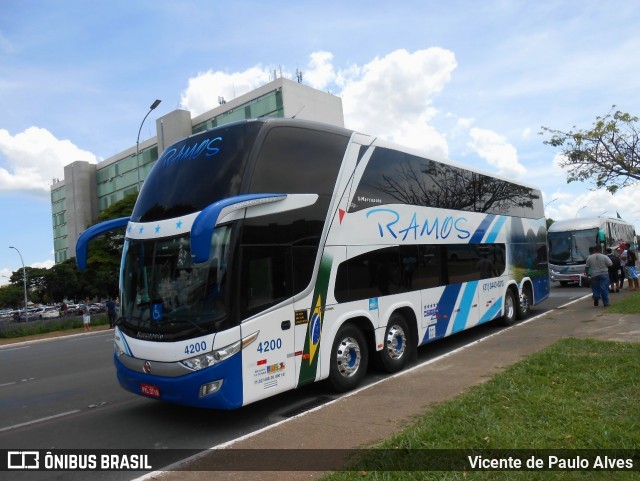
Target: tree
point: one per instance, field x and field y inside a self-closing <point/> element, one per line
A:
<point x="608" y="154"/>
<point x="62" y="281"/>
<point x="104" y="254"/>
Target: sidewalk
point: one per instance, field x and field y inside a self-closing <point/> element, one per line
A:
<point x="370" y="415"/>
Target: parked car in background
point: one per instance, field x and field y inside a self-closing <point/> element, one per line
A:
<point x="39" y="313"/>
<point x="97" y="307"/>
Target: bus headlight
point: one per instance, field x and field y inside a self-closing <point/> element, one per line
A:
<point x="209" y="359"/>
<point x="118" y="350"/>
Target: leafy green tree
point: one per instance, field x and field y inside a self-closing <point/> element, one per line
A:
<point x="12" y="296"/>
<point x="608" y="154"/>
<point x="63" y="281"/>
<point x="37" y="285"/>
<point x="103" y="260"/>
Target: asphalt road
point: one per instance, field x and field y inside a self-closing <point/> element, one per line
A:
<point x="63" y="394"/>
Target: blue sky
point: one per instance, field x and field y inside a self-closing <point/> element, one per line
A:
<point x="472" y="81"/>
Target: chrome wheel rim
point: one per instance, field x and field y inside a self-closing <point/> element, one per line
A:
<point x="396" y="342"/>
<point x="348" y="357"/>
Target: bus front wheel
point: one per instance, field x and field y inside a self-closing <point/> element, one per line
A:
<point x="397" y="348"/>
<point x="349" y="359"/>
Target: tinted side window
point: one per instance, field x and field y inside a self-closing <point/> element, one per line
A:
<point x="266" y="277"/>
<point x="293" y="234"/>
<point x="374" y="274"/>
<point x="393" y="270"/>
<point x="298" y="160"/>
<point x="394" y="177"/>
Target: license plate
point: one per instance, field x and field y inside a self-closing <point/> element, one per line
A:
<point x="150" y="390"/>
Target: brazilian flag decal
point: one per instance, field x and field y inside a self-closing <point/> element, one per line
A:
<point x="309" y="365"/>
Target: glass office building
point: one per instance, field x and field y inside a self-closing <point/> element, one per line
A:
<point x="88" y="189"/>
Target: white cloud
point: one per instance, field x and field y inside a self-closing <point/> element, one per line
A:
<point x="392" y="97"/>
<point x="495" y="149"/>
<point x="203" y="90"/>
<point x="592" y="203"/>
<point x="44" y="264"/>
<point x="33" y="158"/>
<point x="320" y="73"/>
<point x="5" y="274"/>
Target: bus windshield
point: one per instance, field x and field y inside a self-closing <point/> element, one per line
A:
<point x="167" y="296"/>
<point x="571" y="247"/>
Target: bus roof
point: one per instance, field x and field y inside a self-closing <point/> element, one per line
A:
<point x="583" y="223"/>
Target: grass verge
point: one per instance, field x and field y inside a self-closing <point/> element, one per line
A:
<point x="574" y="395"/>
<point x="629" y="305"/>
<point x="45" y="326"/>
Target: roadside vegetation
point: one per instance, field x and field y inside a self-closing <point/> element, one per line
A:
<point x="629" y="305"/>
<point x="36" y="328"/>
<point x="575" y="395"/>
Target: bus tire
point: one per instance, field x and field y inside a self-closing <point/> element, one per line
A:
<point x="349" y="358"/>
<point x="510" y="308"/>
<point x="396" y="352"/>
<point x="525" y="302"/>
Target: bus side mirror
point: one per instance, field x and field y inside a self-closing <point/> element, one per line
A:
<point x="92" y="232"/>
<point x="210" y="216"/>
<point x="602" y="238"/>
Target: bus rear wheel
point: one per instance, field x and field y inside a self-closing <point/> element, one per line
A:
<point x="525" y="302"/>
<point x="510" y="307"/>
<point x="349" y="359"/>
<point x="397" y="348"/>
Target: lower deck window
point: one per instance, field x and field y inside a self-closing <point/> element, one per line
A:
<point x="393" y="270"/>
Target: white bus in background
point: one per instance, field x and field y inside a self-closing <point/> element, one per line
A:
<point x="268" y="254"/>
<point x="570" y="240"/>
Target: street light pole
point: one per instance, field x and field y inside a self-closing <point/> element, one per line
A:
<point x="24" y="280"/>
<point x="578" y="211"/>
<point x="153" y="106"/>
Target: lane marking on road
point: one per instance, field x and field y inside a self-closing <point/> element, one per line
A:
<point x="35" y="421"/>
<point x="7" y="349"/>
<point x="25" y="344"/>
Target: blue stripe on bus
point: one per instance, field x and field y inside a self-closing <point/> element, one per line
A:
<point x="493" y="312"/>
<point x="462" y="317"/>
<point x="127" y="349"/>
<point x="480" y="232"/>
<point x="445" y="308"/>
<point x="495" y="230"/>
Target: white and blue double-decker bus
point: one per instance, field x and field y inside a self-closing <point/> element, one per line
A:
<point x="268" y="254"/>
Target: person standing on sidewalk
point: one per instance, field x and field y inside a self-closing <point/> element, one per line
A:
<point x="111" y="312"/>
<point x="630" y="268"/>
<point x="598" y="265"/>
<point x="86" y="315"/>
<point x="613" y="270"/>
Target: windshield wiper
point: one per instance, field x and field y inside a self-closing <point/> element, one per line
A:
<point x="126" y="318"/>
<point x="189" y="321"/>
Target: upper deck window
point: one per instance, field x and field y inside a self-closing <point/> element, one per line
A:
<point x="394" y="177"/>
<point x="295" y="160"/>
<point x="196" y="172"/>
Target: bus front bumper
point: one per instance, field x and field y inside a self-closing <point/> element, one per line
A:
<point x="216" y="387"/>
<point x="565" y="275"/>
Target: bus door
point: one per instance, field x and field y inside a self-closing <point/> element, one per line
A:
<point x="268" y="363"/>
